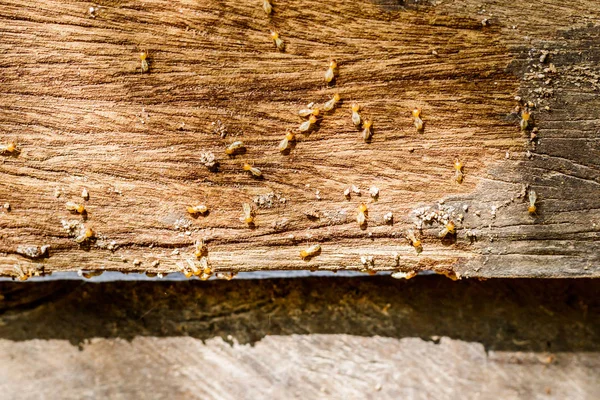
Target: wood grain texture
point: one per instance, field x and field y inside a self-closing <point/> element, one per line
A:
<point x="85" y="117"/>
<point x="332" y="338"/>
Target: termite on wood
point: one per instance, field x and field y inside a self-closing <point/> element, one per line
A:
<point x="331" y="103"/>
<point x="86" y="235"/>
<point x="532" y="199"/>
<point x="458" y="175"/>
<point x="307" y="125"/>
<point x="367" y="133"/>
<point x="525" y="120"/>
<point x="248" y="214"/>
<point x="257" y="173"/>
<point x="419" y="124"/>
<point x="144" y="61"/>
<point x="74" y="207"/>
<point x="355" y="115"/>
<point x="10" y="148"/>
<point x="279" y="43"/>
<point x="236" y="147"/>
<point x="416" y="243"/>
<point x="286" y="142"/>
<point x="331" y="71"/>
<point x="267" y="7"/>
<point x="201" y="249"/>
<point x="199" y="209"/>
<point x="361" y="216"/>
<point x="310" y="252"/>
<point x="449" y="229"/>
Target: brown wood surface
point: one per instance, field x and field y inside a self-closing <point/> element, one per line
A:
<point x="373" y="337"/>
<point x="72" y="93"/>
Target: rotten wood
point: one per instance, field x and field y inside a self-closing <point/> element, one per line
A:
<point x="85" y="117"/>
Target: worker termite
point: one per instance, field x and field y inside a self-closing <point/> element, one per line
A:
<point x="449" y="228"/>
<point x="532" y="199"/>
<point x="74" y="207"/>
<point x="267" y="7"/>
<point x="199" y="209"/>
<point x="201" y="249"/>
<point x="305" y="112"/>
<point x="10" y="148"/>
<point x="331" y="71"/>
<point x="355" y="115"/>
<point x="331" y="103"/>
<point x="248" y="214"/>
<point x="286" y="143"/>
<point x="86" y="235"/>
<point x="307" y="125"/>
<point x="310" y="252"/>
<point x="279" y="43"/>
<point x="416" y="113"/>
<point x="416" y="243"/>
<point x="367" y="133"/>
<point x="525" y="120"/>
<point x="257" y="173"/>
<point x="361" y="216"/>
<point x="144" y="61"/>
<point x="458" y="175"/>
<point x="236" y="147"/>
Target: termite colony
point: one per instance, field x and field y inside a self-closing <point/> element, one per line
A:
<point x="312" y="116"/>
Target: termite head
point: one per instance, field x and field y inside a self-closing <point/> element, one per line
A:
<point x="333" y="64"/>
<point x="355" y="107"/>
<point x="11" y="147"/>
<point x="89" y="233"/>
<point x="290" y="136"/>
<point x="312" y="119"/>
<point x="416" y="113"/>
<point x="316" y="111"/>
<point x="367" y="124"/>
<point x="143" y="55"/>
<point x="274" y="35"/>
<point x="336" y="97"/>
<point x="362" y="208"/>
<point x="247" y="167"/>
<point x="532" y="209"/>
<point x="525" y="115"/>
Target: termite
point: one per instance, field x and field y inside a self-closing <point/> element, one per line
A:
<point x="287" y="141"/>
<point x="310" y="252"/>
<point x="331" y="71"/>
<point x="361" y="216"/>
<point x="331" y="103"/>
<point x="279" y="43"/>
<point x="198" y="209"/>
<point x="309" y="111"/>
<point x="205" y="271"/>
<point x="355" y="115"/>
<point x="248" y="214"/>
<point x="257" y="173"/>
<point x="307" y="125"/>
<point x="74" y="207"/>
<point x="532" y="199"/>
<point x="458" y="175"/>
<point x="525" y="120"/>
<point x="144" y="61"/>
<point x="416" y="243"/>
<point x="267" y="7"/>
<point x="87" y="234"/>
<point x="417" y="119"/>
<point x="236" y="147"/>
<point x="367" y="131"/>
<point x="201" y="250"/>
<point x="449" y="228"/>
<point x="9" y="148"/>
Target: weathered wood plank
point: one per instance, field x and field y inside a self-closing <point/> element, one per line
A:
<point x="85" y="117"/>
<point x="301" y="338"/>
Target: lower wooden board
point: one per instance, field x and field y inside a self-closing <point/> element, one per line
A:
<point x="427" y="338"/>
<point x="85" y="117"/>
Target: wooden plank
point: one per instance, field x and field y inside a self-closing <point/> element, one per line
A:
<point x="317" y="338"/>
<point x="85" y="116"/>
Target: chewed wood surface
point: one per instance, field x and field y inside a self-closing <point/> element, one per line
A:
<point x="85" y="117"/>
